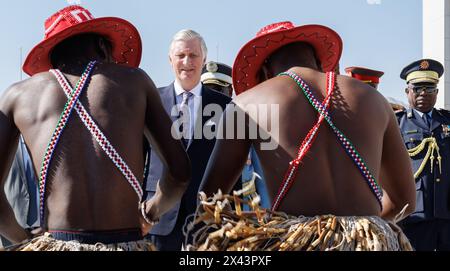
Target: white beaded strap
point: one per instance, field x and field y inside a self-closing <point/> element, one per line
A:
<point x="100" y="137"/>
<point x="144" y="215"/>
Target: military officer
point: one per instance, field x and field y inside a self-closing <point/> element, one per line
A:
<point x="217" y="76"/>
<point x="369" y="76"/>
<point x="426" y="133"/>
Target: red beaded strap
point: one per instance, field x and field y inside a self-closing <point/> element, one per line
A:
<point x="292" y="170"/>
<point x="63" y="119"/>
<point x="101" y="139"/>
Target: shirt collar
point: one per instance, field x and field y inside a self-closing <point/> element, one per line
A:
<point x="421" y="113"/>
<point x="196" y="91"/>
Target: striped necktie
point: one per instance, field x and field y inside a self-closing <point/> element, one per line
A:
<point x="185" y="115"/>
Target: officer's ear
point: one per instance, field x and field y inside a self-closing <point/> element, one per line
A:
<point x="406" y="90"/>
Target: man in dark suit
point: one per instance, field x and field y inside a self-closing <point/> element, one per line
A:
<point x="195" y="111"/>
<point x="426" y="133"/>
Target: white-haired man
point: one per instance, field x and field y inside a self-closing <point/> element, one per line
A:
<point x="185" y="99"/>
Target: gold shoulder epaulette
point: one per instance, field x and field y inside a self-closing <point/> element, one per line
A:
<point x="399" y="114"/>
<point x="432" y="148"/>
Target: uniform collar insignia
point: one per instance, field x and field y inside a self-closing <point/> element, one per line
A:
<point x="446" y="129"/>
<point x="409" y="114"/>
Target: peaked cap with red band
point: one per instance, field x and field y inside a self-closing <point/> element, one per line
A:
<point x="364" y="74"/>
<point x="74" y="20"/>
<point x="326" y="43"/>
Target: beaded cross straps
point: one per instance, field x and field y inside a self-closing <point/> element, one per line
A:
<point x="100" y="137"/>
<point x="345" y="142"/>
<point x="63" y="119"/>
<point x="291" y="173"/>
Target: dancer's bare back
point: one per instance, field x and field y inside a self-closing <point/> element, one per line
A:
<point x="85" y="190"/>
<point x="328" y="182"/>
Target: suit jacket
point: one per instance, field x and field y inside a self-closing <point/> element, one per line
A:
<point x="198" y="150"/>
<point x="21" y="191"/>
<point x="432" y="186"/>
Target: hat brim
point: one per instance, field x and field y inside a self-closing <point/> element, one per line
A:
<point x="326" y="43"/>
<point x="125" y="39"/>
<point x="226" y="79"/>
<point x="216" y="82"/>
<point x="423" y="80"/>
<point x="364" y="71"/>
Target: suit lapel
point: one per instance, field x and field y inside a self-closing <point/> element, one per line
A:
<point x="436" y="120"/>
<point x="168" y="100"/>
<point x="206" y="99"/>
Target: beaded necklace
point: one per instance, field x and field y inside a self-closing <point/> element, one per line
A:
<point x="344" y="141"/>
<point x="63" y="119"/>
<point x="101" y="139"/>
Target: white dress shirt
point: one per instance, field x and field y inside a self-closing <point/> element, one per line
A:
<point x="194" y="102"/>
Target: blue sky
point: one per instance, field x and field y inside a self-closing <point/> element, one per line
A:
<point x="379" y="34"/>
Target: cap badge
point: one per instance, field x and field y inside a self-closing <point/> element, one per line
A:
<point x="424" y="65"/>
<point x="211" y="67"/>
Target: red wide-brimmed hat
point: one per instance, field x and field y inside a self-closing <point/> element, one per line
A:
<point x="74" y="20"/>
<point x="325" y="41"/>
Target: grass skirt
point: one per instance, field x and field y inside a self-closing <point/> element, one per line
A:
<point x="47" y="243"/>
<point x="220" y="225"/>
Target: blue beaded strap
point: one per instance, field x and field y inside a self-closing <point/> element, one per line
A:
<point x="343" y="140"/>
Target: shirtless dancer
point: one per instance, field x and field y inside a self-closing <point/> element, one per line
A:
<point x="88" y="197"/>
<point x="328" y="180"/>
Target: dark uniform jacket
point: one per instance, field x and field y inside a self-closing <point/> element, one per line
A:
<point x="21" y="190"/>
<point x="432" y="186"/>
<point x="198" y="150"/>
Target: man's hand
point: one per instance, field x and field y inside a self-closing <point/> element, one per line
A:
<point x="145" y="227"/>
<point x="35" y="232"/>
<point x="146" y="218"/>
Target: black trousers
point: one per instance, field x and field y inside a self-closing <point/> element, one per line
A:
<point x="173" y="241"/>
<point x="432" y="235"/>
